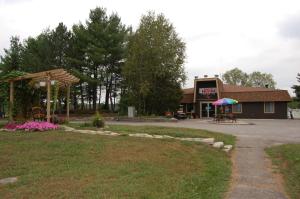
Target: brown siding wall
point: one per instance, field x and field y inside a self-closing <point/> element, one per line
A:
<point x="256" y="110"/>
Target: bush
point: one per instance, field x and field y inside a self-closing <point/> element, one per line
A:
<point x="58" y="120"/>
<point x="98" y="120"/>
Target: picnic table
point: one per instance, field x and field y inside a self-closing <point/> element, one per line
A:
<point x="224" y="117"/>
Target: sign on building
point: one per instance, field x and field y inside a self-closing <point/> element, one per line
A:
<point x="208" y="93"/>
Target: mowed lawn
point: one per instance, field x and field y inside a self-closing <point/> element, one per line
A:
<point x="287" y="158"/>
<point x="73" y="165"/>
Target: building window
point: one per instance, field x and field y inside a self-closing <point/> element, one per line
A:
<point x="269" y="107"/>
<point x="237" y="108"/>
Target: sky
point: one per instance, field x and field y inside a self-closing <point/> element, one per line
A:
<point x="253" y="35"/>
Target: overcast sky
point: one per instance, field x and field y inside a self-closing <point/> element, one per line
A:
<point x="220" y="35"/>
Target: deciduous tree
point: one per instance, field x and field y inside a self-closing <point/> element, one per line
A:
<point x="154" y="70"/>
<point x="254" y="79"/>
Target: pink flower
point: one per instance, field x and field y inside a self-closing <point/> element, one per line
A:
<point x="36" y="126"/>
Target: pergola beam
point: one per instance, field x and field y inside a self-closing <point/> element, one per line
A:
<point x="68" y="101"/>
<point x="60" y="75"/>
<point x="48" y="100"/>
<point x="11" y="100"/>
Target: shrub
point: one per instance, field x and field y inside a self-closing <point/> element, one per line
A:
<point x="54" y="119"/>
<point x="98" y="120"/>
<point x="10" y="126"/>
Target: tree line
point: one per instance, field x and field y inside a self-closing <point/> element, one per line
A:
<point x="142" y="68"/>
<point x="236" y="76"/>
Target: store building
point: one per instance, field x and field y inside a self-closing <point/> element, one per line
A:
<point x="260" y="103"/>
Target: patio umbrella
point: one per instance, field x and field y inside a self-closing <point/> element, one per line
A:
<point x="225" y="101"/>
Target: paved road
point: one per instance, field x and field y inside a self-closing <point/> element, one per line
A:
<point x="253" y="177"/>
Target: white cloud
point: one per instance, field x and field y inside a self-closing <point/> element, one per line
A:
<point x="220" y="35"/>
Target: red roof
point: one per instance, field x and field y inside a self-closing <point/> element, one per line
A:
<point x="259" y="96"/>
<point x="243" y="94"/>
<point x="188" y="91"/>
<point x="234" y="88"/>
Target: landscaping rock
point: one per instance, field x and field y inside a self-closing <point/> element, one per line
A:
<point x="67" y="128"/>
<point x="114" y="134"/>
<point x="8" y="180"/>
<point x="141" y="135"/>
<point x="227" y="148"/>
<point x="168" y="137"/>
<point x="218" y="145"/>
<point x="208" y="140"/>
<point x="158" y="136"/>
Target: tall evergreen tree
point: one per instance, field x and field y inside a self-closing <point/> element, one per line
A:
<point x="12" y="57"/>
<point x="60" y="45"/>
<point x="297" y="88"/>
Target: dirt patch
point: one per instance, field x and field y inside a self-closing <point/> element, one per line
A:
<point x="278" y="177"/>
<point x="234" y="174"/>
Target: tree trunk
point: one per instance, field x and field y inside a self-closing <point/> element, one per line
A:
<point x="95" y="91"/>
<point x="81" y="97"/>
<point x="99" y="103"/>
<point x="107" y="93"/>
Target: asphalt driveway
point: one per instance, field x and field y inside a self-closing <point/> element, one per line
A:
<point x="252" y="176"/>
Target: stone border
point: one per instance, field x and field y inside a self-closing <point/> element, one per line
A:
<point x="209" y="141"/>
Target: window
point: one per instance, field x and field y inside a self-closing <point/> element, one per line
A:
<point x="237" y="108"/>
<point x="269" y="107"/>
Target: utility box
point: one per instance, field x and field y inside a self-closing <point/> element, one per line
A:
<point x="131" y="111"/>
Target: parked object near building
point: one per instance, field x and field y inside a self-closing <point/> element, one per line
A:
<point x="131" y="111"/>
<point x="296" y="113"/>
<point x="260" y="103"/>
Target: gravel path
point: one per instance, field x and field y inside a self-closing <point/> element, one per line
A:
<point x="252" y="174"/>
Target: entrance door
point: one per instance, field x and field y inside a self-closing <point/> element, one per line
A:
<point x="207" y="110"/>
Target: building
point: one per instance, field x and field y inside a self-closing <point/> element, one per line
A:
<point x="260" y="103"/>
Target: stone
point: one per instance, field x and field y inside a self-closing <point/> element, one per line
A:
<point x="228" y="147"/>
<point x="185" y="139"/>
<point x="218" y="145"/>
<point x="158" y="136"/>
<point x="8" y="180"/>
<point x="67" y="128"/>
<point x="208" y="140"/>
<point x="113" y="134"/>
<point x="226" y="150"/>
<point x="167" y="137"/>
<point x="141" y="135"/>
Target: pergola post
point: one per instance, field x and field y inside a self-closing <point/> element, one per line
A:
<point x="11" y="100"/>
<point x="48" y="99"/>
<point x="68" y="102"/>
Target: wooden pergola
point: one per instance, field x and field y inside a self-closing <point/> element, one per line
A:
<point x="62" y="77"/>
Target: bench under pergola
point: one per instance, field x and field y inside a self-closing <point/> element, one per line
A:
<point x="62" y="77"/>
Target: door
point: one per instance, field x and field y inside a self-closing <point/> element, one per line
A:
<point x="204" y="112"/>
<point x="207" y="110"/>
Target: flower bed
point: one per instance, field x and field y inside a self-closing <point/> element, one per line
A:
<point x="31" y="126"/>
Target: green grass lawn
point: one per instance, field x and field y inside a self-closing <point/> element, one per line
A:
<point x="159" y="130"/>
<point x="73" y="165"/>
<point x="287" y="158"/>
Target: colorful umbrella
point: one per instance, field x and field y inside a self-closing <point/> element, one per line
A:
<point x="225" y="101"/>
